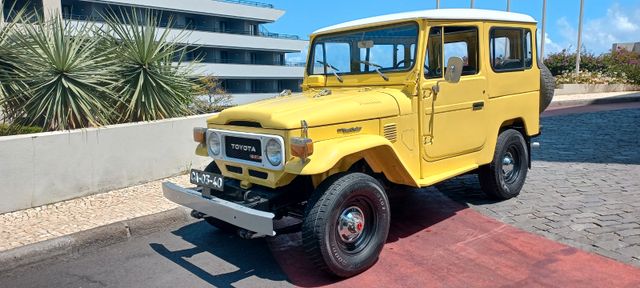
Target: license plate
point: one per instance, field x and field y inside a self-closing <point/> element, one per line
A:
<point x="206" y="179"/>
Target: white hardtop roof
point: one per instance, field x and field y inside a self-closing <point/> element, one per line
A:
<point x="438" y="14"/>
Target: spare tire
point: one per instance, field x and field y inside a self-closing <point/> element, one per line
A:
<point x="547" y="87"/>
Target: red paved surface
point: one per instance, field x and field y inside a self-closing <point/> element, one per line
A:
<point x="435" y="242"/>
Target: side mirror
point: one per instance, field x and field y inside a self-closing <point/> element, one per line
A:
<point x="454" y="70"/>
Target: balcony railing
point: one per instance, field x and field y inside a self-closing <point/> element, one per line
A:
<point x="189" y="57"/>
<point x="196" y="27"/>
<point x="249" y="3"/>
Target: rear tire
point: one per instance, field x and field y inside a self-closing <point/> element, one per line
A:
<point x="346" y="224"/>
<point x="504" y="177"/>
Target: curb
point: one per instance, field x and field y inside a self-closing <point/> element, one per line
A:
<point x="92" y="239"/>
<point x="584" y="102"/>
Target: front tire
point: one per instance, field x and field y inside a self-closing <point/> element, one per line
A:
<point x="346" y="224"/>
<point x="504" y="177"/>
<point x="221" y="225"/>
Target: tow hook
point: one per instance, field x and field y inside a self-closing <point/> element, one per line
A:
<point x="248" y="235"/>
<point x="197" y="214"/>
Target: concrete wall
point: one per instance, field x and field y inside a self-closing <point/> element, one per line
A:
<point x="569" y="89"/>
<point x="44" y="168"/>
<point x="51" y="8"/>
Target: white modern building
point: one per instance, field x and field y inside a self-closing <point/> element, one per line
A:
<point x="229" y="34"/>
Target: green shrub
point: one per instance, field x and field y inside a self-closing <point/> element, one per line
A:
<point x="8" y="130"/>
<point x="626" y="62"/>
<point x="564" y="61"/>
<point x="586" y="77"/>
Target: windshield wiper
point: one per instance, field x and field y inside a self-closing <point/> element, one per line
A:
<point x="334" y="70"/>
<point x="378" y="67"/>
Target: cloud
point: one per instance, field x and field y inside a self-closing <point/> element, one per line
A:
<point x="599" y="34"/>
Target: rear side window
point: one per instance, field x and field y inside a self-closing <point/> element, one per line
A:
<point x="511" y="49"/>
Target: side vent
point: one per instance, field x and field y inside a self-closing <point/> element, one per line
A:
<point x="391" y="132"/>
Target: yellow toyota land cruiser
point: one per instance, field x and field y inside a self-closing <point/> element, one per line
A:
<point x="407" y="99"/>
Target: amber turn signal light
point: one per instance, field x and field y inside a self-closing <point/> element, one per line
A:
<point x="301" y="147"/>
<point x="200" y="134"/>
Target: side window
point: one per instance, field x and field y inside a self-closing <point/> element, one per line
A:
<point x="455" y="42"/>
<point x="511" y="49"/>
<point x="528" y="49"/>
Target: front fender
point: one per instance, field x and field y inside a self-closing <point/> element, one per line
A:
<point x="376" y="150"/>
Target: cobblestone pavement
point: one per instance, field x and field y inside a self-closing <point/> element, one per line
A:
<point x="46" y="222"/>
<point x="583" y="189"/>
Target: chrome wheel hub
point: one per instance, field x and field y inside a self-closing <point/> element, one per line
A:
<point x="508" y="165"/>
<point x="351" y="224"/>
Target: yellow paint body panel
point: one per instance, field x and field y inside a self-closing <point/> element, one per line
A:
<point x="403" y="130"/>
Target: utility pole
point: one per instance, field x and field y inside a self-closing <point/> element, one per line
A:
<point x="437" y="4"/>
<point x="472" y="4"/>
<point x="508" y="5"/>
<point x="544" y="25"/>
<point x="579" y="36"/>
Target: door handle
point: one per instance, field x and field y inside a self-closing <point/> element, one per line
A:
<point x="478" y="105"/>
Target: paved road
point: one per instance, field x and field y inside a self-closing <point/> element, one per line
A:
<point x="584" y="188"/>
<point x="195" y="255"/>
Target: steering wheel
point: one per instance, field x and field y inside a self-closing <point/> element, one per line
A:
<point x="401" y="62"/>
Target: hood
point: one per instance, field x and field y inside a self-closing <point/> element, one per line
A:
<point x="341" y="106"/>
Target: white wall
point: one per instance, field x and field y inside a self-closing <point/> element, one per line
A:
<point x="44" y="168"/>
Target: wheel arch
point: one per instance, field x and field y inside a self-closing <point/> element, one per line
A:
<point x="518" y="124"/>
<point x="339" y="155"/>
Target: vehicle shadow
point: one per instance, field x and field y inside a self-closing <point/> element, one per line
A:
<point x="219" y="258"/>
<point x="413" y="211"/>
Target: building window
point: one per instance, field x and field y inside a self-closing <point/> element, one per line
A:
<point x="511" y="49"/>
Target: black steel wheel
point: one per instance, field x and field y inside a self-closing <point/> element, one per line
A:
<point x="346" y="224"/>
<point x="504" y="177"/>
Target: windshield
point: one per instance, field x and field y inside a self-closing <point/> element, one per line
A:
<point x="388" y="49"/>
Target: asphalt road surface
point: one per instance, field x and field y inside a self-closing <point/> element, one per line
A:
<point x="196" y="255"/>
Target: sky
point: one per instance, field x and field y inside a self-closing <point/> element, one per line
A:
<point x="605" y="21"/>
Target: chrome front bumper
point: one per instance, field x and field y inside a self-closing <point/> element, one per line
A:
<point x="253" y="220"/>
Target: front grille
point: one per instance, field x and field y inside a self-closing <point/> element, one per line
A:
<point x="258" y="174"/>
<point x="243" y="148"/>
<point x="234" y="169"/>
<point x="391" y="132"/>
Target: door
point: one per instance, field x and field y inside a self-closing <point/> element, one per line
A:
<point x="454" y="120"/>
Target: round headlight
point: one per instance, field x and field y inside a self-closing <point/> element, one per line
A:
<point x="214" y="144"/>
<point x="274" y="152"/>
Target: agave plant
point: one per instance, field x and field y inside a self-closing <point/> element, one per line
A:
<point x="154" y="82"/>
<point x="9" y="108"/>
<point x="68" y="72"/>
